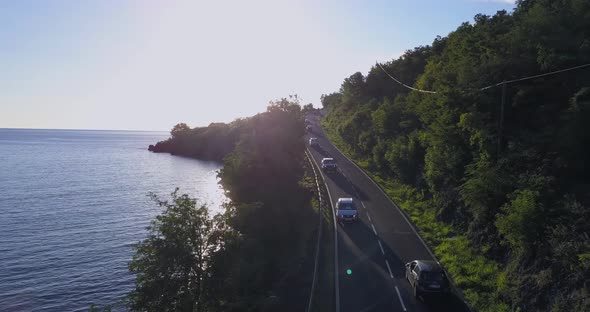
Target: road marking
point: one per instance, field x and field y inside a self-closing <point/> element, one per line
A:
<point x="381" y="246"/>
<point x="357" y="195"/>
<point x="369" y="216"/>
<point x="389" y="268"/>
<point x="400" y="298"/>
<point x="375" y="231"/>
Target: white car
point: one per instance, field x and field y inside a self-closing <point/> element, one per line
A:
<point x="346" y="210"/>
<point x="313" y="142"/>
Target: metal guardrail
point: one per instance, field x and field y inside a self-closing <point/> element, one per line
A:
<point x="317" y="249"/>
<point x="336" y="277"/>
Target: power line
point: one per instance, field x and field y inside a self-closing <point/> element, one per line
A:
<point x="403" y="84"/>
<point x="535" y="76"/>
<point x="493" y="85"/>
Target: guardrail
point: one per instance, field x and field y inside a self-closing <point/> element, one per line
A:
<point x="317" y="249"/>
<point x="336" y="269"/>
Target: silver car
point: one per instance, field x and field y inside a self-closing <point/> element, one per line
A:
<point x="346" y="210"/>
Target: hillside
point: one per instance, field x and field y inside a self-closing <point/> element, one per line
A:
<point x="496" y="179"/>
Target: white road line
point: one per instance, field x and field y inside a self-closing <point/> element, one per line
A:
<point x="361" y="201"/>
<point x="375" y="231"/>
<point x="381" y="246"/>
<point x="369" y="216"/>
<point x="400" y="298"/>
<point x="389" y="268"/>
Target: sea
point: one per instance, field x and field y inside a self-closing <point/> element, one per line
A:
<point x="73" y="203"/>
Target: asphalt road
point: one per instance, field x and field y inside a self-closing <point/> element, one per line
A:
<point x="372" y="252"/>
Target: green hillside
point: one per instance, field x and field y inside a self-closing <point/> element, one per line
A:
<point x="501" y="193"/>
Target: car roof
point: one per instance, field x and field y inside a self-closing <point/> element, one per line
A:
<point x="313" y="138"/>
<point x="345" y="200"/>
<point x="327" y="159"/>
<point x="429" y="265"/>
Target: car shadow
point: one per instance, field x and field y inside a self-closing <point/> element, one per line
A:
<point x="360" y="193"/>
<point x="363" y="237"/>
<point x="347" y="186"/>
<point x="370" y="287"/>
<point x="322" y="151"/>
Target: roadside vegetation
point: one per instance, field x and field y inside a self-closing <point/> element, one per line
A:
<point x="500" y="194"/>
<point x="259" y="254"/>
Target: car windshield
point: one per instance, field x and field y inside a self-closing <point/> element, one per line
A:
<point x="329" y="161"/>
<point x="347" y="206"/>
<point x="433" y="276"/>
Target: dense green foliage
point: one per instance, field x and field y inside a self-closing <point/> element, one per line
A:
<point x="208" y="143"/>
<point x="270" y="210"/>
<point x="251" y="257"/>
<point x="508" y="191"/>
<point x="173" y="262"/>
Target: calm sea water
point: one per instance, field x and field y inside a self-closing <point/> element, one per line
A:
<point x="71" y="205"/>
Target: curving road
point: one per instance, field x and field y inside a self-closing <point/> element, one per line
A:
<point x="372" y="252"/>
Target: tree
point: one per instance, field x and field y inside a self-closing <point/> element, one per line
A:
<point x="172" y="262"/>
<point x="520" y="223"/>
<point x="179" y="130"/>
<point x="307" y="108"/>
<point x="330" y="100"/>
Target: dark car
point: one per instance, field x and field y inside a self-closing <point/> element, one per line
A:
<point x="313" y="142"/>
<point x="426" y="277"/>
<point x="329" y="164"/>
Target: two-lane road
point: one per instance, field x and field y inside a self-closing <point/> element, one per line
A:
<point x="371" y="252"/>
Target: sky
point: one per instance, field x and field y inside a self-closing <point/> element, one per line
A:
<point x="148" y="65"/>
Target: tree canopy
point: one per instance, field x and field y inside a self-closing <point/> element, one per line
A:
<point x="172" y="263"/>
<point x="249" y="258"/>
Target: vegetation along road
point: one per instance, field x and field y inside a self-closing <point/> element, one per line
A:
<point x="373" y="251"/>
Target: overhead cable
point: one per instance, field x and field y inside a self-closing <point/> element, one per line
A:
<point x="403" y="84"/>
<point x="535" y="76"/>
<point x="493" y="85"/>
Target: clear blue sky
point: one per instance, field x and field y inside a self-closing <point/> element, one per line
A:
<point x="147" y="65"/>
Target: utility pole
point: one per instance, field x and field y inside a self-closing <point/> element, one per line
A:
<point x="501" y="122"/>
